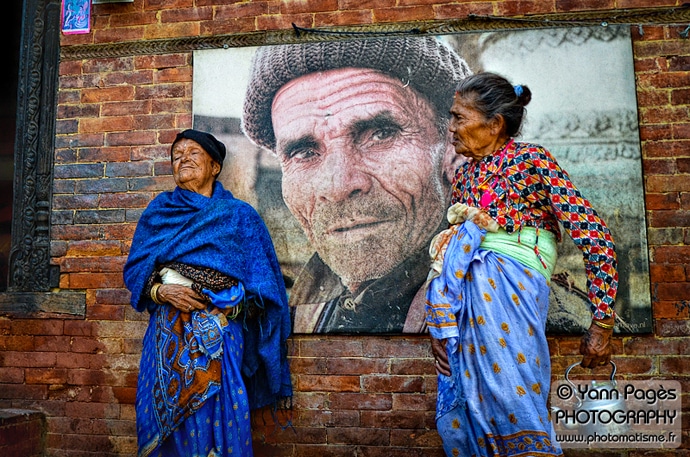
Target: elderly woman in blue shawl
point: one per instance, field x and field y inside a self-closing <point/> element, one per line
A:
<point x="203" y="265"/>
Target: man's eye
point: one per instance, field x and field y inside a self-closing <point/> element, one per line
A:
<point x="378" y="135"/>
<point x="384" y="134"/>
<point x="300" y="154"/>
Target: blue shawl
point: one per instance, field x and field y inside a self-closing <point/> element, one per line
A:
<point x="227" y="235"/>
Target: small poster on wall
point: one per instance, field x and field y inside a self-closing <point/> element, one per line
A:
<point x="76" y="16"/>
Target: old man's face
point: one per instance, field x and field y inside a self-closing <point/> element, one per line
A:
<point x="362" y="160"/>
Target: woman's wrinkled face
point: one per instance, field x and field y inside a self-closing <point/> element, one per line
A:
<point x="193" y="168"/>
<point x="474" y="135"/>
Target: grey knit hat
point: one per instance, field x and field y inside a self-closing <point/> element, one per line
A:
<point x="428" y="65"/>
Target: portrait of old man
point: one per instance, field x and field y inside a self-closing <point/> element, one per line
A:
<point x="360" y="129"/>
<point x="344" y="149"/>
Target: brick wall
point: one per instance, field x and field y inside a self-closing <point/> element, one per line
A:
<point x="369" y="396"/>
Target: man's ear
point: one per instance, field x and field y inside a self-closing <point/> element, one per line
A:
<point x="451" y="161"/>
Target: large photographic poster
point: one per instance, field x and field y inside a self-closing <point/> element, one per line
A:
<point x="352" y="174"/>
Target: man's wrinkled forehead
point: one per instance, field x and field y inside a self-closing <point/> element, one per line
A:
<point x="424" y="63"/>
<point x="344" y="102"/>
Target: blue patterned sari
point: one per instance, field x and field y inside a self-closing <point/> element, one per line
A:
<point x="492" y="312"/>
<point x="191" y="404"/>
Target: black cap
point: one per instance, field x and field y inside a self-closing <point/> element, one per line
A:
<point x="210" y="143"/>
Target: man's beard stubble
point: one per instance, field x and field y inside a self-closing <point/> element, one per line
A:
<point x="360" y="257"/>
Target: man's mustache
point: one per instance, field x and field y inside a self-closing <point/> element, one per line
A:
<point x="331" y="218"/>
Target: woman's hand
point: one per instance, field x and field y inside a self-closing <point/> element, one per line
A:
<point x="438" y="348"/>
<point x="181" y="297"/>
<point x="595" y="345"/>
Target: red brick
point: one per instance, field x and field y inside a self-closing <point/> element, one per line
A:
<point x="412" y="346"/>
<point x="653" y="97"/>
<point x="656" y="132"/>
<point x="51" y="343"/>
<point x="584" y="5"/>
<point x="414" y="402"/>
<point x="37" y="327"/>
<point x="359" y="436"/>
<point x="45" y="376"/>
<point x="86" y="378"/>
<point x="461" y="11"/>
<point x="238" y="10"/>
<point x="125" y="394"/>
<point x="395" y="419"/>
<point x="130" y="107"/>
<point x="64" y="232"/>
<point x="669" y="219"/>
<point x="12" y="375"/>
<point x="328" y="383"/>
<point x="119" y="35"/>
<point x="97" y="95"/>
<point x="412" y="366"/>
<point x="667" y="273"/>
<point x="356" y="366"/>
<point x="186" y="14"/>
<point x="343" y="18"/>
<point x="361" y="401"/>
<point x="523" y="7"/>
<point x="670" y="309"/>
<point x="173" y="75"/>
<point x="330" y="347"/>
<point x="652" y="345"/>
<point x="23" y="391"/>
<point x="365" y="4"/>
<point x="310" y="400"/>
<point x="76" y="360"/>
<point x="108" y="65"/>
<point x="321" y="418"/>
<point x="78" y="328"/>
<point x="675" y="365"/>
<point x="154" y="121"/>
<point x="93" y="248"/>
<point x="308" y="6"/>
<point x="95" y="280"/>
<point x="88" y="443"/>
<point x="672" y="254"/>
<point x="16" y="343"/>
<point x="398" y="14"/>
<point x="665" y="201"/>
<point x="83" y="344"/>
<point x="384" y="383"/>
<point x="284" y="21"/>
<point x="673" y="291"/>
<point x="419" y="438"/>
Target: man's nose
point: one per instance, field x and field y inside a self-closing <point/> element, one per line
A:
<point x="344" y="174"/>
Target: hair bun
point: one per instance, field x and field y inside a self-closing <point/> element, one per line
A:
<point x="524" y="95"/>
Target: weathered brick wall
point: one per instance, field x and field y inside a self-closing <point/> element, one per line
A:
<point x="371" y="396"/>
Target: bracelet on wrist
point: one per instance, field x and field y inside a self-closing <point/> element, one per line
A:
<point x="154" y="293"/>
<point x="602" y="324"/>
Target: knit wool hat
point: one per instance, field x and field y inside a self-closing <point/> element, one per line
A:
<point x="210" y="143"/>
<point x="424" y="63"/>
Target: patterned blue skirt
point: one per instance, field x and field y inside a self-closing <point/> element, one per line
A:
<point x="495" y="401"/>
<point x="190" y="404"/>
